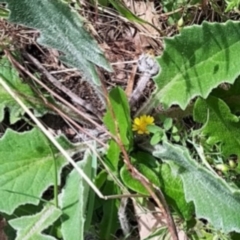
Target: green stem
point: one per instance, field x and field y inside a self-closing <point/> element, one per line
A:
<point x="55" y="187"/>
<point x="55" y="190"/>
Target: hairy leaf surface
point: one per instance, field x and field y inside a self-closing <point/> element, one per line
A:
<point x="221" y="126"/>
<point x="63" y="29"/>
<point x="30" y="227"/>
<point x="27" y="167"/>
<point x="75" y="199"/>
<point x="10" y="75"/>
<point x="172" y="188"/>
<point x="196" y="61"/>
<point x="213" y="198"/>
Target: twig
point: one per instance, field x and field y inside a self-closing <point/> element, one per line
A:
<point x="162" y="204"/>
<point x="58" y="146"/>
<point x="122" y="217"/>
<point x="85" y="116"/>
<point x="59" y="85"/>
<point x="149" y="67"/>
<point x="124" y="62"/>
<point x="130" y="81"/>
<point x="134" y="172"/>
<point x="50" y="137"/>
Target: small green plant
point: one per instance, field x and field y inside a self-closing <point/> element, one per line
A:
<point x="188" y="167"/>
<point x="193" y="66"/>
<point x="231" y="4"/>
<point x="161" y="133"/>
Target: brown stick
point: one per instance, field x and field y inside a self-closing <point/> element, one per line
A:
<point x="82" y="114"/>
<point x="134" y="172"/>
<point x="58" y="84"/>
<point x="162" y="204"/>
<point x="130" y="82"/>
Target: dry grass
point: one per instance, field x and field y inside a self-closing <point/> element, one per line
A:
<point x="122" y="42"/>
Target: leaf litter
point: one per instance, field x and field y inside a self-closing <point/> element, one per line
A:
<point x="122" y="42"/>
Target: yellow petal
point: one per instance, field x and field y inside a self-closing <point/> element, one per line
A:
<point x="140" y="124"/>
<point x="137" y="121"/>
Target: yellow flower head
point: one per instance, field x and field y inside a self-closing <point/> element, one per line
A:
<point x="140" y="124"/>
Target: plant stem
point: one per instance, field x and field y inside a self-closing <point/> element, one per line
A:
<point x="55" y="189"/>
<point x="138" y="176"/>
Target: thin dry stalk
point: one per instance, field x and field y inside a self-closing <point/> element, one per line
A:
<point x="58" y="84"/>
<point x="162" y="204"/>
<point x="64" y="116"/>
<point x="87" y="117"/>
<point x="51" y="138"/>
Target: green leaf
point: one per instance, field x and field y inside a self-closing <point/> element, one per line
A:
<point x="113" y="156"/>
<point x="109" y="220"/>
<point x="124" y="11"/>
<point x="4" y="13"/>
<point x="213" y="198"/>
<point x="154" y="129"/>
<point x="103" y="3"/>
<point x="21" y="211"/>
<point x="170" y="185"/>
<point x="171" y="6"/>
<point x="230" y="96"/>
<point x="172" y="188"/>
<point x="176" y="138"/>
<point x="231" y="4"/>
<point x="174" y="129"/>
<point x="30" y="227"/>
<point x="133" y="183"/>
<point x="156" y="138"/>
<point x="10" y="75"/>
<point x="101" y="178"/>
<point x="167" y="124"/>
<point x="91" y="203"/>
<point x="146" y="159"/>
<point x="196" y="61"/>
<point x="61" y="28"/>
<point x="75" y="199"/>
<point x="119" y="115"/>
<point x="221" y="126"/>
<point x="27" y="167"/>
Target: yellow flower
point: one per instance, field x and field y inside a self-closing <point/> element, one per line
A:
<point x="140" y="124"/>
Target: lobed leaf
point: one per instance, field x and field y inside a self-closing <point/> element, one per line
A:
<point x="197" y="61"/>
<point x="27" y="167"/>
<point x="213" y="198"/>
<point x="74" y="200"/>
<point x="10" y="75"/>
<point x="221" y="126"/>
<point x="63" y="29"/>
<point x="30" y="227"/>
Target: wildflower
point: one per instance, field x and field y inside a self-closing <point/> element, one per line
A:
<point x="140" y="124"/>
